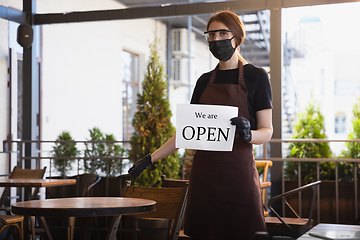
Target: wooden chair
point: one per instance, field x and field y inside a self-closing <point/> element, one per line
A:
<point x="12" y="221"/>
<point x="264" y="166"/>
<point x="292" y="227"/>
<point x="170" y="204"/>
<point x="167" y="182"/>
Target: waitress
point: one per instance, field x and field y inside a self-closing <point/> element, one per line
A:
<point x="224" y="199"/>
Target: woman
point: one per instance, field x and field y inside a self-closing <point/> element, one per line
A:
<point x="224" y="199"/>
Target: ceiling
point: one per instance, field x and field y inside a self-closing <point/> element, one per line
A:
<point x="142" y="3"/>
<point x="253" y="51"/>
<point x="198" y="22"/>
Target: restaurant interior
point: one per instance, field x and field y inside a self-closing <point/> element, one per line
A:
<point x="38" y="204"/>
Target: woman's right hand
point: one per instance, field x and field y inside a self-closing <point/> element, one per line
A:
<point x="138" y="167"/>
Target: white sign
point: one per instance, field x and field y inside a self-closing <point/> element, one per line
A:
<point x="205" y="127"/>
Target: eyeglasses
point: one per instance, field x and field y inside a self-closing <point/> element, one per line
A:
<point x="220" y="34"/>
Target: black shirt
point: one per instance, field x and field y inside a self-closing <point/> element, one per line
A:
<point x="257" y="84"/>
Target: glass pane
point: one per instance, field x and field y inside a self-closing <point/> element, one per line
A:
<point x="129" y="91"/>
<point x="321" y="62"/>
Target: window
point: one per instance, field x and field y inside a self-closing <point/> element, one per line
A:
<point x="340" y="123"/>
<point x="129" y="91"/>
<point x="317" y="67"/>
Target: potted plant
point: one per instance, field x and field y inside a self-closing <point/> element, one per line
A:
<point x="64" y="150"/>
<point x="104" y="167"/>
<point x="99" y="148"/>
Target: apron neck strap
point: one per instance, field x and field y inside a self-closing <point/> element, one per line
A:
<point x="241" y="73"/>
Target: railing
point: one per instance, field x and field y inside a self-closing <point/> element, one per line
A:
<point x="44" y="155"/>
<point x="317" y="160"/>
<point x="18" y="147"/>
<point x="265" y="156"/>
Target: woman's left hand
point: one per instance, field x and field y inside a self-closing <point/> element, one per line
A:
<point x="243" y="128"/>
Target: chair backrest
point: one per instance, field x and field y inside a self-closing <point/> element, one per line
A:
<point x="19" y="173"/>
<point x="263" y="166"/>
<point x="85" y="182"/>
<point x="289" y="226"/>
<point x="167" y="182"/>
<point x="283" y="196"/>
<point x="170" y="203"/>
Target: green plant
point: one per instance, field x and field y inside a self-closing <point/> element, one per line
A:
<point x="114" y="166"/>
<point x="188" y="163"/>
<point x="352" y="148"/>
<point x="152" y="124"/>
<point x="64" y="149"/>
<point x="98" y="148"/>
<point x="310" y="125"/>
<point x="93" y="150"/>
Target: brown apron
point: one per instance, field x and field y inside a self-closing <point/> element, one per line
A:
<point x="224" y="195"/>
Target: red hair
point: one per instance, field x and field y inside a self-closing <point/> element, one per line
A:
<point x="234" y="23"/>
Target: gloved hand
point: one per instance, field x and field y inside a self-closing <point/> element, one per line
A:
<point x="243" y="128"/>
<point x="138" y="167"/>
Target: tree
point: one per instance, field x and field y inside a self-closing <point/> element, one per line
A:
<point x="152" y="125"/>
<point x="310" y="125"/>
<point x="64" y="149"/>
<point x="352" y="148"/>
<point x="189" y="153"/>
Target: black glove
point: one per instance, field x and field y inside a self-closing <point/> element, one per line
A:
<point x="243" y="128"/>
<point x="138" y="167"/>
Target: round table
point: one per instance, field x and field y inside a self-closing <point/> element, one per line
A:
<point x="83" y="207"/>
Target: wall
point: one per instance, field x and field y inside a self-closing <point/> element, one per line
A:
<point x="4" y="49"/>
<point x="82" y="69"/>
<point x="202" y="62"/>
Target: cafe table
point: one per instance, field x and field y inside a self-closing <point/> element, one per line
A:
<point x="322" y="227"/>
<point x="28" y="184"/>
<point x="85" y="208"/>
<point x="35" y="183"/>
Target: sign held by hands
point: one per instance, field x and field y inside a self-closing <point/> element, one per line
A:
<point x="205" y="127"/>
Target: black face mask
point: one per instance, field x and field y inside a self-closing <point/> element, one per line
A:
<point x="222" y="49"/>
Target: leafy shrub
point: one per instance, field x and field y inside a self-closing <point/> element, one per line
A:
<point x="64" y="149"/>
<point x="92" y="163"/>
<point x="352" y="148"/>
<point x="310" y="125"/>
